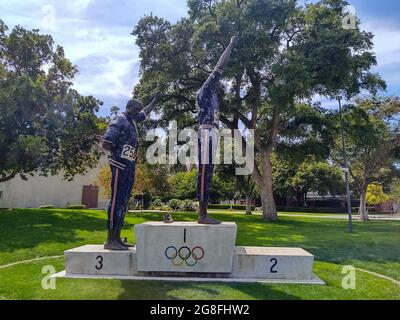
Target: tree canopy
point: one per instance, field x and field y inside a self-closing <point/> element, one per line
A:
<point x="298" y="179"/>
<point x="376" y="195"/>
<point x="45" y="125"/>
<point x="288" y="52"/>
<point x="372" y="129"/>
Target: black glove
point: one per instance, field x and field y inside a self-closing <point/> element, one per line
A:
<point x="158" y="96"/>
<point x="235" y="40"/>
<point x="107" y="145"/>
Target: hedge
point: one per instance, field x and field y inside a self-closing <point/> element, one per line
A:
<point x="319" y="210"/>
<point x="228" y="206"/>
<point x="46" y="207"/>
<point x="77" y="207"/>
<point x="288" y="209"/>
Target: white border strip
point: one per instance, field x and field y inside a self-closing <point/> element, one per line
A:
<point x="379" y="276"/>
<point x="313" y="281"/>
<point x="28" y="261"/>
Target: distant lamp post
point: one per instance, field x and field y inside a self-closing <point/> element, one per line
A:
<point x="346" y="167"/>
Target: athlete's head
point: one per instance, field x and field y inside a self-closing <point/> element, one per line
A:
<point x="133" y="107"/>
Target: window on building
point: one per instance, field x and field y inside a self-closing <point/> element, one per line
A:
<point x="1" y="194"/>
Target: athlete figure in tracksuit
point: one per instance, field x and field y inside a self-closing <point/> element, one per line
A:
<point x="122" y="140"/>
<point x="208" y="119"/>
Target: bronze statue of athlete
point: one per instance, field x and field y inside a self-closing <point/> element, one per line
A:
<point x="208" y="119"/>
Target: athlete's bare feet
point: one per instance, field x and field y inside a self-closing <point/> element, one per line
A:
<point x="122" y="242"/>
<point x="208" y="220"/>
<point x="126" y="244"/>
<point x="204" y="218"/>
<point x="112" y="242"/>
<point x="115" y="246"/>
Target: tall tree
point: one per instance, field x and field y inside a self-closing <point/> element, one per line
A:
<point x="247" y="187"/>
<point x="311" y="175"/>
<point x="375" y="195"/>
<point x="372" y="130"/>
<point x="395" y="194"/>
<point x="45" y="125"/>
<point x="317" y="177"/>
<point x="183" y="186"/>
<point x="151" y="180"/>
<point x="288" y="53"/>
<point x="244" y="186"/>
<point x="103" y="181"/>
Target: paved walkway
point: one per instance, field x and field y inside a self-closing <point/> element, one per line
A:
<point x="29" y="261"/>
<point x="380" y="276"/>
<point x="343" y="217"/>
<point x="387" y="217"/>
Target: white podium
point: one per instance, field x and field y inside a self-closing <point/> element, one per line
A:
<point x="191" y="252"/>
<point x="185" y="247"/>
<point x="272" y="263"/>
<point x="95" y="260"/>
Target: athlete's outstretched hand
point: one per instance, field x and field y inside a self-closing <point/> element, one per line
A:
<point x="235" y="40"/>
<point x="158" y="96"/>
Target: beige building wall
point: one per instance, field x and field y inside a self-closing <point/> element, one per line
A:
<point x="52" y="190"/>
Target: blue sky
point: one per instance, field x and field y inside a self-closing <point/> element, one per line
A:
<point x="96" y="37"/>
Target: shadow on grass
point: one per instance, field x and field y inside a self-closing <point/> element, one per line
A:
<point x="59" y="228"/>
<point x="24" y="229"/>
<point x="154" y="290"/>
<point x="327" y="239"/>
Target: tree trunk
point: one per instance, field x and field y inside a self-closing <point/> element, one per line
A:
<point x="305" y="200"/>
<point x="299" y="198"/>
<point x="363" y="206"/>
<point x="268" y="205"/>
<point x="5" y="178"/>
<point x="248" y="204"/>
<point x="267" y="191"/>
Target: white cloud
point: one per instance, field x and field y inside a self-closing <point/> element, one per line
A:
<point x="77" y="6"/>
<point x="111" y="81"/>
<point x="107" y="60"/>
<point x="96" y="37"/>
<point x="387" y="49"/>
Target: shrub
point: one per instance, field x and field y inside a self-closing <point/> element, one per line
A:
<point x="228" y="206"/>
<point x="77" y="207"/>
<point x="157" y="204"/>
<point x="47" y="207"/>
<point x="174" y="204"/>
<point x="187" y="205"/>
<point x="164" y="208"/>
<point x="316" y="210"/>
<point x="196" y="206"/>
<point x="133" y="204"/>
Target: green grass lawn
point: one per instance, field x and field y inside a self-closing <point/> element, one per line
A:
<point x="28" y="234"/>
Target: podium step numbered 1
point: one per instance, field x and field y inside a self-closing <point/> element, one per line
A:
<point x="250" y="264"/>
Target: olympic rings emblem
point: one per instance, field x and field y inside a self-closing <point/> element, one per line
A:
<point x="184" y="255"/>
